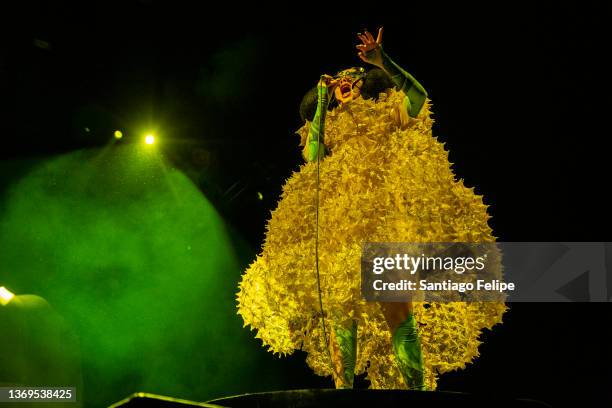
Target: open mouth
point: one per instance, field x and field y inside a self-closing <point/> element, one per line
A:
<point x="345" y="90"/>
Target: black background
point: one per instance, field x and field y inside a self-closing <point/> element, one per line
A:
<point x="518" y="95"/>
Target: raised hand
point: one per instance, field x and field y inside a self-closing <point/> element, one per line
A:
<point x="370" y="50"/>
<point x="327" y="81"/>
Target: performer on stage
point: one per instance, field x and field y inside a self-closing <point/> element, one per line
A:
<point x="374" y="173"/>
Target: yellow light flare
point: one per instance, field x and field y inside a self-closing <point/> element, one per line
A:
<point x="5" y="296"/>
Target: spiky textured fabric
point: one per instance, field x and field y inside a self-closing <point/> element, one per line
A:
<point x="385" y="179"/>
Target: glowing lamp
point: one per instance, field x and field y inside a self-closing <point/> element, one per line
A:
<point x="5" y="296"/>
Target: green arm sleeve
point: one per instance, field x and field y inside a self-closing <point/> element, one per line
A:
<point x="415" y="93"/>
<point x="314" y="143"/>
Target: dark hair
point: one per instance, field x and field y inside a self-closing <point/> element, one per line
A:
<point x="375" y="81"/>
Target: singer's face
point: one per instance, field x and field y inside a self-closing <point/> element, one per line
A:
<point x="349" y="84"/>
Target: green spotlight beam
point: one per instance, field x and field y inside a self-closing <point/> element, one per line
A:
<point x="141" y="266"/>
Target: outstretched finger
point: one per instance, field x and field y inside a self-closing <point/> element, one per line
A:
<point x="362" y="56"/>
<point x="370" y="37"/>
<point x="361" y="47"/>
<point x="379" y="36"/>
<point x="363" y="38"/>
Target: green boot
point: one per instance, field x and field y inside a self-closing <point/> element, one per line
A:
<point x="344" y="354"/>
<point x="407" y="349"/>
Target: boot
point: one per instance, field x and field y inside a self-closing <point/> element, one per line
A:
<point x="407" y="349"/>
<point x="344" y="354"/>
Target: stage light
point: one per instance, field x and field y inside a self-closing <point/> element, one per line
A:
<point x="259" y="195"/>
<point x="118" y="134"/>
<point x="149" y="139"/>
<point x="5" y="296"/>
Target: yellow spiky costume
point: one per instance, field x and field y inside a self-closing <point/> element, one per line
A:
<point x="385" y="179"/>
